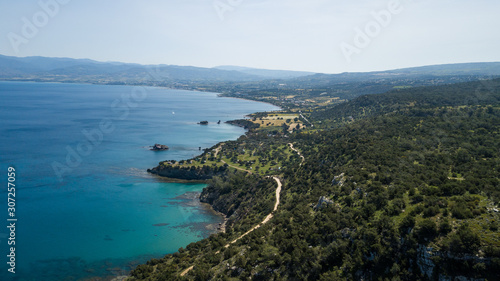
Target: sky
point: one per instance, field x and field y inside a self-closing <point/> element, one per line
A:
<point x="328" y="36"/>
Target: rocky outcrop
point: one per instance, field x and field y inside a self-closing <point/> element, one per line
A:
<point x="339" y="180"/>
<point x="428" y="267"/>
<point x="424" y="261"/>
<point x="323" y="202"/>
<point x="159" y="147"/>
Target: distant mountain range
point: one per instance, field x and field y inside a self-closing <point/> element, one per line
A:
<point x="266" y="73"/>
<point x="85" y="70"/>
<point x="89" y="71"/>
<point x="480" y="69"/>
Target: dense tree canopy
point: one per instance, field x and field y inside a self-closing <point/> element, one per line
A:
<point x="413" y="178"/>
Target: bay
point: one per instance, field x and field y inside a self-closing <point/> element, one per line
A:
<point x="85" y="206"/>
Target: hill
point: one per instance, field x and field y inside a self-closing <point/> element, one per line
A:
<point x="329" y="89"/>
<point x="89" y="71"/>
<point x="483" y="69"/>
<point x="259" y="84"/>
<point x="460" y="94"/>
<point x="407" y="190"/>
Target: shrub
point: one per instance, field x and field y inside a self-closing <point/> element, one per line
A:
<point x="426" y="230"/>
<point x="463" y="241"/>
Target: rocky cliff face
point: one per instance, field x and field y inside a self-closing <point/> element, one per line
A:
<point x="428" y="266"/>
<point x="424" y="261"/>
<point x="244" y="123"/>
<point x="237" y="194"/>
<point x="213" y="196"/>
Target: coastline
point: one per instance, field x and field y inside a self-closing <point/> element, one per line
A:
<point x="139" y="85"/>
<point x="216" y="228"/>
<point x="174" y="180"/>
<point x="220" y="227"/>
<point x="222" y="96"/>
<point x="162" y="179"/>
<point x="193" y="199"/>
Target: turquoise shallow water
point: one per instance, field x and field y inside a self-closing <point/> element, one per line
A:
<point x="84" y="203"/>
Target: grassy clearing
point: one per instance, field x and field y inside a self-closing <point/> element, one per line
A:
<point x="253" y="159"/>
<point x="278" y="120"/>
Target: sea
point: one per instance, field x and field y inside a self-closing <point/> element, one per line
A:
<point x="82" y="206"/>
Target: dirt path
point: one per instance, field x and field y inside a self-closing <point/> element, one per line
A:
<point x="187" y="270"/>
<point x="238" y="168"/>
<point x="217" y="150"/>
<point x="266" y="219"/>
<point x="298" y="152"/>
<point x="306" y="119"/>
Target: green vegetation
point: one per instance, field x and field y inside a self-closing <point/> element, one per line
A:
<point x="243" y="197"/>
<point x="409" y="187"/>
<point x="261" y="152"/>
<point x="289" y="90"/>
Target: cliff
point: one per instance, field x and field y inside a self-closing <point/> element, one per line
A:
<point x="244" y="123"/>
<point x="188" y="173"/>
<point x="237" y="194"/>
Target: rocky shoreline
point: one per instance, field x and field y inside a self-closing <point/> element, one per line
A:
<point x="244" y="123"/>
<point x="187" y="173"/>
<point x="210" y="196"/>
<point x="196" y="174"/>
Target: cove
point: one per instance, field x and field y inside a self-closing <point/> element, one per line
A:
<point x="104" y="214"/>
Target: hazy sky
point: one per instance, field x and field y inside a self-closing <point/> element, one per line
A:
<point x="328" y="36"/>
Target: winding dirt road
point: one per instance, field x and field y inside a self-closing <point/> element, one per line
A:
<point x="237" y="168"/>
<point x="298" y="152"/>
<point x="266" y="219"/>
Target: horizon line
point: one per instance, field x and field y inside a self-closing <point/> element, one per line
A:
<point x="233" y="65"/>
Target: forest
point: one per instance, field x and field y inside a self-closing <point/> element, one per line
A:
<point x="403" y="185"/>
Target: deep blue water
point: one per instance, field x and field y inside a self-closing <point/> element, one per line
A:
<point x="84" y="203"/>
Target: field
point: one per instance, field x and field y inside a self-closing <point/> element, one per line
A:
<point x="278" y="120"/>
